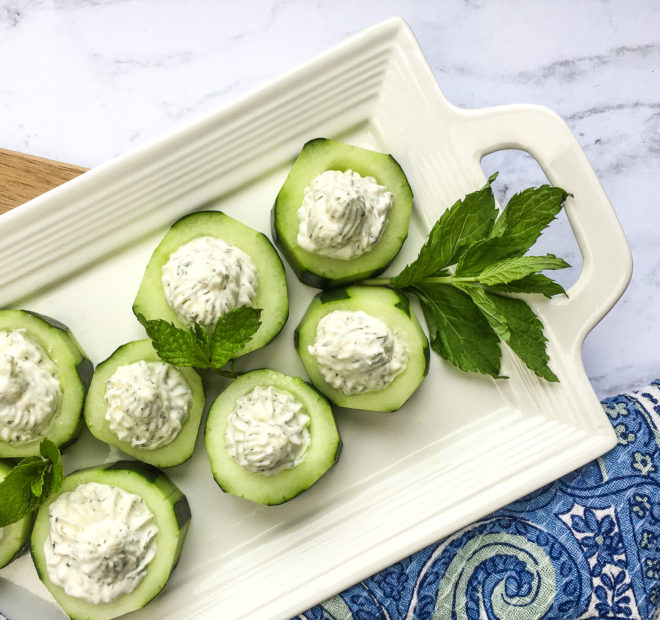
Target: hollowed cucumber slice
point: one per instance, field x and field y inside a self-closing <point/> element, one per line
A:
<point x="322" y="452"/>
<point x="271" y="280"/>
<point x="394" y="310"/>
<point x="172" y="517"/>
<point x="74" y="372"/>
<point x="316" y="157"/>
<point x="174" y="453"/>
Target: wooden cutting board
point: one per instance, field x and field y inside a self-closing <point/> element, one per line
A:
<point x="23" y="177"/>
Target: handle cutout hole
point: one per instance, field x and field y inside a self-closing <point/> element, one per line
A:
<point x="518" y="170"/>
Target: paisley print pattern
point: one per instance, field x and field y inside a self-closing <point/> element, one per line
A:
<point x="585" y="546"/>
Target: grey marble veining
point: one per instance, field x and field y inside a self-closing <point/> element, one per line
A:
<point x="83" y="81"/>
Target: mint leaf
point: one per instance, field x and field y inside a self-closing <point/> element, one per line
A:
<point x="37" y="483"/>
<point x="511" y="269"/>
<point x="479" y="297"/>
<point x="458" y="330"/>
<point x="29" y="484"/>
<point x="17" y="498"/>
<point x="527" y="214"/>
<point x="181" y="347"/>
<point x="484" y="253"/>
<point x="521" y="222"/>
<point x="194" y="347"/>
<point x="467" y="221"/>
<point x="49" y="450"/>
<point x="534" y="283"/>
<point x="232" y="331"/>
<point x="515" y="322"/>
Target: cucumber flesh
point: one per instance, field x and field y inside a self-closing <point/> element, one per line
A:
<point x="271" y="280"/>
<point x="316" y="157"/>
<point x="394" y="310"/>
<point x="15" y="537"/>
<point x="174" y="453"/>
<point x="74" y="372"/>
<point x="172" y="517"/>
<point x="322" y="452"/>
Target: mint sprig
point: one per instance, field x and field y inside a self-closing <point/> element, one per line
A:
<point x="195" y="347"/>
<point x="470" y="264"/>
<point x="30" y="483"/>
<point x="466" y="222"/>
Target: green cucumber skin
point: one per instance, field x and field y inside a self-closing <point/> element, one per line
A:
<point x="57" y="340"/>
<point x="176" y="452"/>
<point x="85" y="371"/>
<point x="85" y="367"/>
<point x="50" y="320"/>
<point x="356" y="269"/>
<point x="170" y="500"/>
<point x="334" y="295"/>
<point x="147" y="471"/>
<point x="385" y="299"/>
<point x="338" y="451"/>
<point x="323" y="453"/>
<point x="150" y="301"/>
<point x="304" y="275"/>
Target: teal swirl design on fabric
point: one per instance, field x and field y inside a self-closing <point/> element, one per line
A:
<point x="494" y="576"/>
<point x="501" y="567"/>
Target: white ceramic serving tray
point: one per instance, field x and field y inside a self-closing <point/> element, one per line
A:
<point x="464" y="445"/>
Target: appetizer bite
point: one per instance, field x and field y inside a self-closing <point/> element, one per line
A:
<point x="363" y="347"/>
<point x="270" y="436"/>
<point x="44" y="376"/>
<point x="145" y="407"/>
<point x="107" y="541"/>
<point x="208" y="264"/>
<point x="342" y="213"/>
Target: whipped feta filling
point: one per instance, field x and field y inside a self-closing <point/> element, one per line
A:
<point x="148" y="403"/>
<point x="357" y="352"/>
<point x="101" y="542"/>
<point x="267" y="431"/>
<point x="30" y="391"/>
<point x="206" y="278"/>
<point x="343" y="215"/>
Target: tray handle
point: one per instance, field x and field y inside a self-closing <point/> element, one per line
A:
<point x="607" y="262"/>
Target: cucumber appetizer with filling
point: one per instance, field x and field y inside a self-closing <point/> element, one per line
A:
<point x="363" y="347"/>
<point x="342" y="213"/>
<point x="145" y="407"/>
<point x="106" y="543"/>
<point x="270" y="436"/>
<point x="208" y="264"/>
<point x="15" y="537"/>
<point x="44" y="376"/>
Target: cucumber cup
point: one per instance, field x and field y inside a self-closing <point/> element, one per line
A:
<point x="321" y="155"/>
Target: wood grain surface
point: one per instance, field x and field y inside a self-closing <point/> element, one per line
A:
<point x="23" y="177"/>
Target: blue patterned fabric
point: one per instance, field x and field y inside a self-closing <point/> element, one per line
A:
<point x="585" y="546"/>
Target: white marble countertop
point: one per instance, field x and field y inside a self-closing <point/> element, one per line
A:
<point x="83" y="81"/>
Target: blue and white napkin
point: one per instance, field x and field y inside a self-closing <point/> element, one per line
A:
<point x="585" y="546"/>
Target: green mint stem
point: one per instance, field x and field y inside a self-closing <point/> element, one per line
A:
<point x="429" y="280"/>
